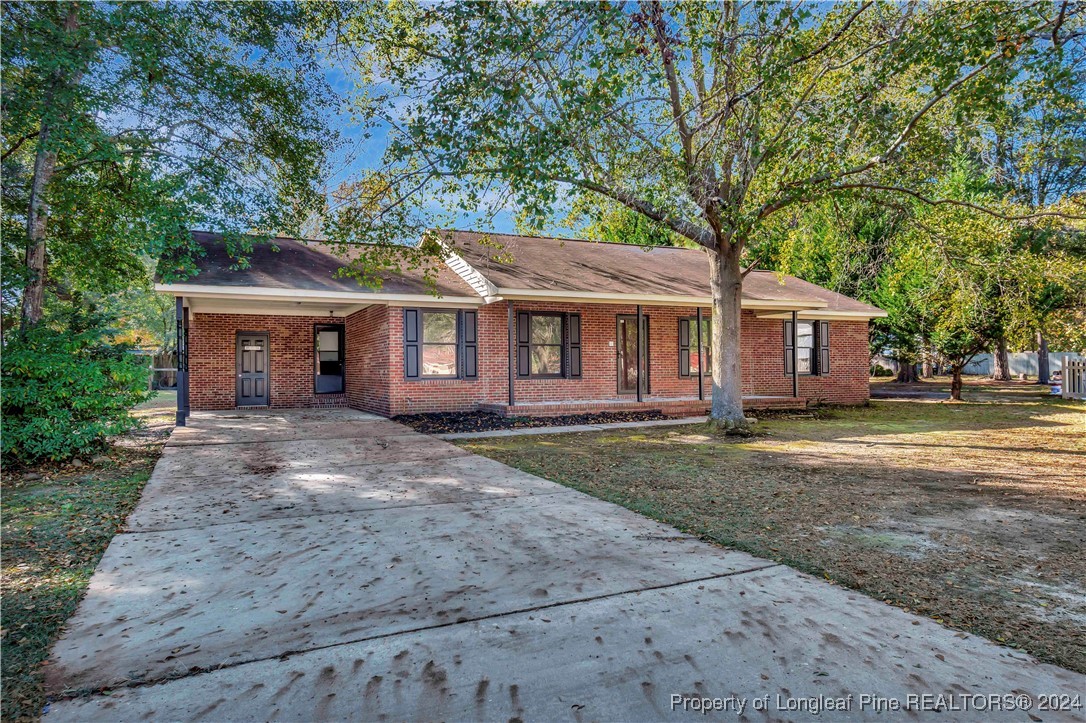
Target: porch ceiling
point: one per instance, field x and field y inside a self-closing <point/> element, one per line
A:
<point x="200" y="305"/>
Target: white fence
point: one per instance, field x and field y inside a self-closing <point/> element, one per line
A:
<point x="1074" y="379"/>
<point x="1020" y="362"/>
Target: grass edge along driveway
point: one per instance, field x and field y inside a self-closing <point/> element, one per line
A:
<point x="972" y="514"/>
<point x="56" y="526"/>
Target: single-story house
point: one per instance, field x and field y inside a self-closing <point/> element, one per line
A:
<point x="514" y="325"/>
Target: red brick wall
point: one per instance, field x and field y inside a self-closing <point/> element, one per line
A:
<point x="368" y="379"/>
<point x="375" y="372"/>
<point x="213" y="366"/>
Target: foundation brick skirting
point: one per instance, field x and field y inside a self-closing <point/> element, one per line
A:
<point x="375" y="378"/>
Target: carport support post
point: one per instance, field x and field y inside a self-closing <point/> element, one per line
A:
<point x="640" y="321"/>
<point x="182" y="370"/>
<point x="512" y="351"/>
<point x="188" y="408"/>
<point x="701" y="369"/>
<point x="795" y="354"/>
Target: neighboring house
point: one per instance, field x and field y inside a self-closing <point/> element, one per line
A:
<point x="520" y="326"/>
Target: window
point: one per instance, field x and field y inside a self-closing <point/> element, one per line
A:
<point x="440" y="344"/>
<point x="329" y="355"/>
<point x="545" y="345"/>
<point x="812" y="353"/>
<point x="548" y="344"/>
<point x="805" y="346"/>
<point x="688" y="347"/>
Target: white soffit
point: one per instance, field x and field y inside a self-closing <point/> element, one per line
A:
<point x="229" y="294"/>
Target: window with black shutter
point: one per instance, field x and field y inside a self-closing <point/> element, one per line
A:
<point x="440" y="344"/>
<point x="469" y="344"/>
<point x="689" y="342"/>
<point x="823" y="347"/>
<point x="812" y="347"/>
<point x="573" y="344"/>
<point x="548" y="344"/>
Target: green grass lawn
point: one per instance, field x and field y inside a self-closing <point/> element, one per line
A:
<point x="55" y="529"/>
<point x="971" y="513"/>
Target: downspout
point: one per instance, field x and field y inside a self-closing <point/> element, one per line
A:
<point x="640" y="319"/>
<point x="795" y="355"/>
<point x="701" y="369"/>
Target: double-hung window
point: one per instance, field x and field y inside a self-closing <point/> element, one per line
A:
<point x="548" y="344"/>
<point x="812" y="347"/>
<point x="440" y="344"/>
<point x="690" y="340"/>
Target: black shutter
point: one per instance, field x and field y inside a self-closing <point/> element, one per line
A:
<point x="823" y="347"/>
<point x="469" y="344"/>
<point x="573" y="334"/>
<point x="523" y="336"/>
<point x="412" y="342"/>
<point x="684" y="347"/>
<point x="789" y="336"/>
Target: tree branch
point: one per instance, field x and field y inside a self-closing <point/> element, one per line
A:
<point x="952" y="202"/>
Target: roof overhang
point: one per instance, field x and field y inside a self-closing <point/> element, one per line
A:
<point x="826" y="314"/>
<point x="595" y="297"/>
<point x="269" y="300"/>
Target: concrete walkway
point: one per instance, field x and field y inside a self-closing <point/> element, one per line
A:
<point x="317" y="565"/>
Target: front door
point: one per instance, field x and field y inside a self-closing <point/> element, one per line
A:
<point x="628" y="357"/>
<point x="252" y="370"/>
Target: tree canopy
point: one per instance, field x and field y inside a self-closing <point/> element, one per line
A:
<point x="706" y="119"/>
<point x="125" y="125"/>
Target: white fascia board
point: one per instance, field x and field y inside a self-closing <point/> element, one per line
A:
<point x="264" y="293"/>
<point x="650" y="299"/>
<point x="828" y="315"/>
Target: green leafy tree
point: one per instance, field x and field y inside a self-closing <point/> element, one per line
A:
<point x="67" y="387"/>
<point x="959" y="280"/>
<point x="600" y="219"/>
<point x="707" y="119"/>
<point x="1035" y="147"/>
<point x="127" y="124"/>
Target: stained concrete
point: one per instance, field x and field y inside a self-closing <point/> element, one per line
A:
<point x="384" y="573"/>
<point x="172" y="503"/>
<point x="741" y="637"/>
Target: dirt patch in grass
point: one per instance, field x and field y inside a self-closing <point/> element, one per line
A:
<point x="57" y="522"/>
<point x="971" y="513"/>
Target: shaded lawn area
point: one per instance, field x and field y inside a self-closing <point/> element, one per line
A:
<point x="55" y="530"/>
<point x="971" y="513"/>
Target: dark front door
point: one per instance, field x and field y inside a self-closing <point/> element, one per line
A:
<point x="252" y="370"/>
<point x="628" y="357"/>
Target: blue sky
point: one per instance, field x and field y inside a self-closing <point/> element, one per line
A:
<point x="358" y="154"/>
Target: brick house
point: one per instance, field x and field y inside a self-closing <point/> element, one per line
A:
<point x="510" y="324"/>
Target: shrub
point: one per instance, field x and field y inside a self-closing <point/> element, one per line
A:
<point x="881" y="371"/>
<point x="66" y="388"/>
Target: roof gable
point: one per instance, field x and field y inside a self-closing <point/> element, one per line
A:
<point x="572" y="266"/>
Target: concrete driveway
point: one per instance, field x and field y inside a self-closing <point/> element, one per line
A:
<point x="331" y="564"/>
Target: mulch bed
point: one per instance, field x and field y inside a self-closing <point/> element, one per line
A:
<point x="456" y="422"/>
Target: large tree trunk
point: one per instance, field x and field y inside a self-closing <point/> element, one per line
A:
<point x="1043" y="368"/>
<point x="906" y="372"/>
<point x="33" y="295"/>
<point x="726" y="281"/>
<point x="37" y="215"/>
<point x="1001" y="365"/>
<point x="956" y="382"/>
<point x="926" y="369"/>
